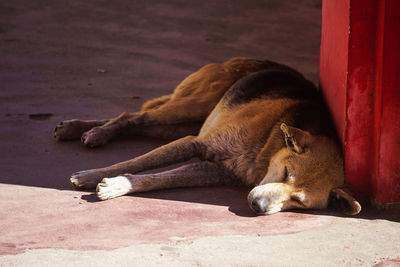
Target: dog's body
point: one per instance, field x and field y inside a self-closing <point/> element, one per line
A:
<point x="235" y="117"/>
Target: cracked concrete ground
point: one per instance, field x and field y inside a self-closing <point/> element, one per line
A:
<point x="95" y="59"/>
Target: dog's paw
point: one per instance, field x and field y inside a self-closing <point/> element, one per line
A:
<point x="86" y="179"/>
<point x="96" y="137"/>
<point x="113" y="187"/>
<point x="69" y="130"/>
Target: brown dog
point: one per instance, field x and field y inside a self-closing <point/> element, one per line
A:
<point x="257" y="122"/>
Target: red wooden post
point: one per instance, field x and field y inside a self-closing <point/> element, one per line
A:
<point x="360" y="78"/>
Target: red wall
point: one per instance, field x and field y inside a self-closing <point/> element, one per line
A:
<point x="333" y="60"/>
<point x="359" y="75"/>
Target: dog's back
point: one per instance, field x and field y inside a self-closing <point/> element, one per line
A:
<point x="284" y="83"/>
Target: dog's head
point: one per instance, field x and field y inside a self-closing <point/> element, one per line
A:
<point x="305" y="174"/>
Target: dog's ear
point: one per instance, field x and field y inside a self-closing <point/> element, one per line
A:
<point x="344" y="201"/>
<point x="295" y="138"/>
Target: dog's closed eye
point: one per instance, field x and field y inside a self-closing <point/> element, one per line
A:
<point x="297" y="200"/>
<point x="285" y="175"/>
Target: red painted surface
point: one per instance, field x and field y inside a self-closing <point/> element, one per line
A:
<point x="358" y="66"/>
<point x="359" y="94"/>
<point x="333" y="60"/>
<point x="386" y="176"/>
<point x="388" y="263"/>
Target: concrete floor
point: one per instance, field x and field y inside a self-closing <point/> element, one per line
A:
<point x="95" y="59"/>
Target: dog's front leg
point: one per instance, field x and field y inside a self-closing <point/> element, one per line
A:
<point x="192" y="175"/>
<point x="174" y="152"/>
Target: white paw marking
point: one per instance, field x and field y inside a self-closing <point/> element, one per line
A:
<point x="113" y="187"/>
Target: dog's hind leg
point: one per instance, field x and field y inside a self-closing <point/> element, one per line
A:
<point x="193" y="99"/>
<point x="173" y="113"/>
<point x="174" y="152"/>
<point x="169" y="132"/>
<point x="192" y="175"/>
<point x="73" y="129"/>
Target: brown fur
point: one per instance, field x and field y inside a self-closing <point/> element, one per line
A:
<point x="269" y="131"/>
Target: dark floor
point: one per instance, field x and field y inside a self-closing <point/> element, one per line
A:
<point x="53" y="55"/>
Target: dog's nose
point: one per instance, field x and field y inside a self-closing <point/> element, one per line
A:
<point x="258" y="205"/>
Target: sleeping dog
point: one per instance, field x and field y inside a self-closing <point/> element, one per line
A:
<point x="255" y="122"/>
